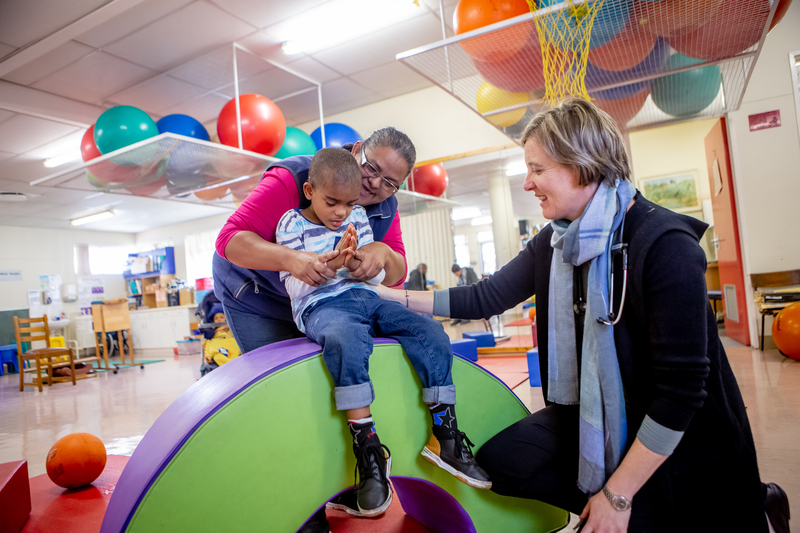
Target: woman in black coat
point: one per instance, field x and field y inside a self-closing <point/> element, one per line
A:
<point x="644" y="427"/>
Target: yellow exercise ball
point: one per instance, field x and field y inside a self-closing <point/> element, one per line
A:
<point x="490" y="98"/>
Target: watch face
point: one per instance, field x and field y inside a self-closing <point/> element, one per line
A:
<point x="619" y="504"/>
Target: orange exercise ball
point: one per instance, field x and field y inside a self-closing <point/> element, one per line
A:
<point x="429" y="179"/>
<point x="780" y="11"/>
<point x="532" y="313"/>
<point x="496" y="46"/>
<point x="786" y="330"/>
<point x="214" y="193"/>
<point x="76" y="460"/>
<point x="263" y="124"/>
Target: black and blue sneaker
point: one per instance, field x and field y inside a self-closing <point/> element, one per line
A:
<point x="451" y="450"/>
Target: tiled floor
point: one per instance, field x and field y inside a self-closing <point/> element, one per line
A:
<point x="120" y="408"/>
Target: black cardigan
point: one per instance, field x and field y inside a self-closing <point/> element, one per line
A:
<point x="672" y="362"/>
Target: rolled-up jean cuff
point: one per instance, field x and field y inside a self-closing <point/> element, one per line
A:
<point x="443" y="394"/>
<point x="354" y="396"/>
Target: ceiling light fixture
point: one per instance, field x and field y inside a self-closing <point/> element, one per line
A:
<point x="339" y="21"/>
<point x="6" y="196"/>
<point x="462" y="213"/>
<point x="481" y="221"/>
<point x="66" y="157"/>
<point x="515" y="169"/>
<point x="92" y="218"/>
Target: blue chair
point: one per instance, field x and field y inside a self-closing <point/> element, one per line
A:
<point x="8" y="356"/>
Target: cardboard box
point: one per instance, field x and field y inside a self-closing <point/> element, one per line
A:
<point x="161" y="298"/>
<point x="111" y="316"/>
<point x="186" y="296"/>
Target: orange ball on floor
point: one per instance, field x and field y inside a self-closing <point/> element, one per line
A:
<point x="532" y="313"/>
<point x="76" y="460"/>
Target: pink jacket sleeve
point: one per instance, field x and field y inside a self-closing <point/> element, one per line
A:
<point x="394" y="240"/>
<point x="260" y="212"/>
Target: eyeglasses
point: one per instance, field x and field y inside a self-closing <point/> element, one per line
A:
<point x="373" y="173"/>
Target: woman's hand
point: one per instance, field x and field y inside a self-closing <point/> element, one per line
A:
<point x="311" y="268"/>
<point x="372" y="260"/>
<point x="602" y="518"/>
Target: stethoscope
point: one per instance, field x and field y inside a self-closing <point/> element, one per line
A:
<point x="616" y="249"/>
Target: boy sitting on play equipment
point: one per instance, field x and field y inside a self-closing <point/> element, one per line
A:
<point x="221" y="347"/>
<point x="344" y="314"/>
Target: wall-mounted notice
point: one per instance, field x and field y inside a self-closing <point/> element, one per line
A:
<point x="762" y="121"/>
<point x="10" y="275"/>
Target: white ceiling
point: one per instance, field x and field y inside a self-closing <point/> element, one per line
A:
<point x="59" y="72"/>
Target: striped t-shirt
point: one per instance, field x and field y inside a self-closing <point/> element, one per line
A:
<point x="299" y="233"/>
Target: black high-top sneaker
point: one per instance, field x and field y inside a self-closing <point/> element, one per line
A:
<point x="451" y="450"/>
<point x="373" y="464"/>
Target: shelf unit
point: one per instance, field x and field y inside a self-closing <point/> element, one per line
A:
<point x="148" y="288"/>
<point x="724" y="35"/>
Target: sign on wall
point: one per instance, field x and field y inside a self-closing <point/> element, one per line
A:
<point x="762" y="121"/>
<point x="10" y="275"/>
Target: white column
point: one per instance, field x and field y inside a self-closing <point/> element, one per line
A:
<point x="504" y="225"/>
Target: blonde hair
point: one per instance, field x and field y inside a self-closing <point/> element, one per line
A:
<point x="580" y="135"/>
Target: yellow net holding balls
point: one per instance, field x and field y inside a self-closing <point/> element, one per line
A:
<point x="564" y="31"/>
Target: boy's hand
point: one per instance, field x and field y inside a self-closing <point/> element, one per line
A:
<point x="346" y="247"/>
<point x="310" y="268"/>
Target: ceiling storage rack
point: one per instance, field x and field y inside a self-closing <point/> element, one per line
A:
<point x="178" y="168"/>
<point x="650" y="63"/>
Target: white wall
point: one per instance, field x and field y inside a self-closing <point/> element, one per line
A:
<point x="437" y="123"/>
<point x="428" y="238"/>
<point x="40" y="251"/>
<point x="766" y="163"/>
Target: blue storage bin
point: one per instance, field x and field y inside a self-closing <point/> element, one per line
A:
<point x="485" y="339"/>
<point x="533" y="368"/>
<point x="465" y="348"/>
<point x="8" y="356"/>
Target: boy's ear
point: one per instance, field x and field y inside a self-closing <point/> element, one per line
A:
<point x="308" y="190"/>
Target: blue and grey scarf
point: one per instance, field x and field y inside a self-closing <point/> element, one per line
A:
<point x="603" y="426"/>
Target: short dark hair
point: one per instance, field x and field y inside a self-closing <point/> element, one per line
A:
<point x="397" y="141"/>
<point x="456" y="268"/>
<point x="332" y="166"/>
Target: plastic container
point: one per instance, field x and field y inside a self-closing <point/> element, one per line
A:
<point x="189" y="347"/>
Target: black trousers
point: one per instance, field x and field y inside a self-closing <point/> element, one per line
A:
<point x="537" y="458"/>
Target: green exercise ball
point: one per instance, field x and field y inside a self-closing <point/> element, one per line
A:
<point x="122" y="126"/>
<point x="685" y="94"/>
<point x="296" y="142"/>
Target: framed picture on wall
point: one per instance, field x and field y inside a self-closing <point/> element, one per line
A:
<point x="674" y="191"/>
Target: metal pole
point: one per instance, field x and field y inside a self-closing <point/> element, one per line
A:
<point x="236" y="98"/>
<point x="321" y="117"/>
<point x="446" y="51"/>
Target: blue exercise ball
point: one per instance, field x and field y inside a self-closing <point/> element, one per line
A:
<point x="609" y="21"/>
<point x="336" y="135"/>
<point x="652" y="64"/>
<point x="297" y="142"/>
<point x="183" y="125"/>
<point x="685" y="94"/>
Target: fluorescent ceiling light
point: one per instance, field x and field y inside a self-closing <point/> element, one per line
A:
<point x="67" y="157"/>
<point x="92" y="218"/>
<point x="481" y="221"/>
<point x="515" y="169"/>
<point x="339" y="21"/>
<point x="461" y="213"/>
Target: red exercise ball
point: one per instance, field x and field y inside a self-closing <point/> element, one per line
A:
<point x="624" y="109"/>
<point x="736" y="27"/>
<point x="669" y="18"/>
<point x="786" y="330"/>
<point x="521" y="72"/>
<point x="498" y="45"/>
<point x="89" y="149"/>
<point x="149" y="189"/>
<point x="429" y="179"/>
<point x="76" y="460"/>
<point x="263" y="124"/>
<point x="626" y="50"/>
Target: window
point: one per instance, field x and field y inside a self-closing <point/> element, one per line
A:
<point x="462" y="250"/>
<point x="488" y="257"/>
<point x="200" y="249"/>
<point x="107" y="259"/>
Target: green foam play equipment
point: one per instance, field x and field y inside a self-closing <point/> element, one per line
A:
<point x="271" y="453"/>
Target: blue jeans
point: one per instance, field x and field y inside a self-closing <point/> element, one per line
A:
<point x="253" y="331"/>
<point x="345" y="326"/>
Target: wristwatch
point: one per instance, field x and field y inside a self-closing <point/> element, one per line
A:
<point x="619" y="503"/>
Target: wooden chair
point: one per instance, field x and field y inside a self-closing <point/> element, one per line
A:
<point x="45" y="358"/>
<point x="773" y="279"/>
